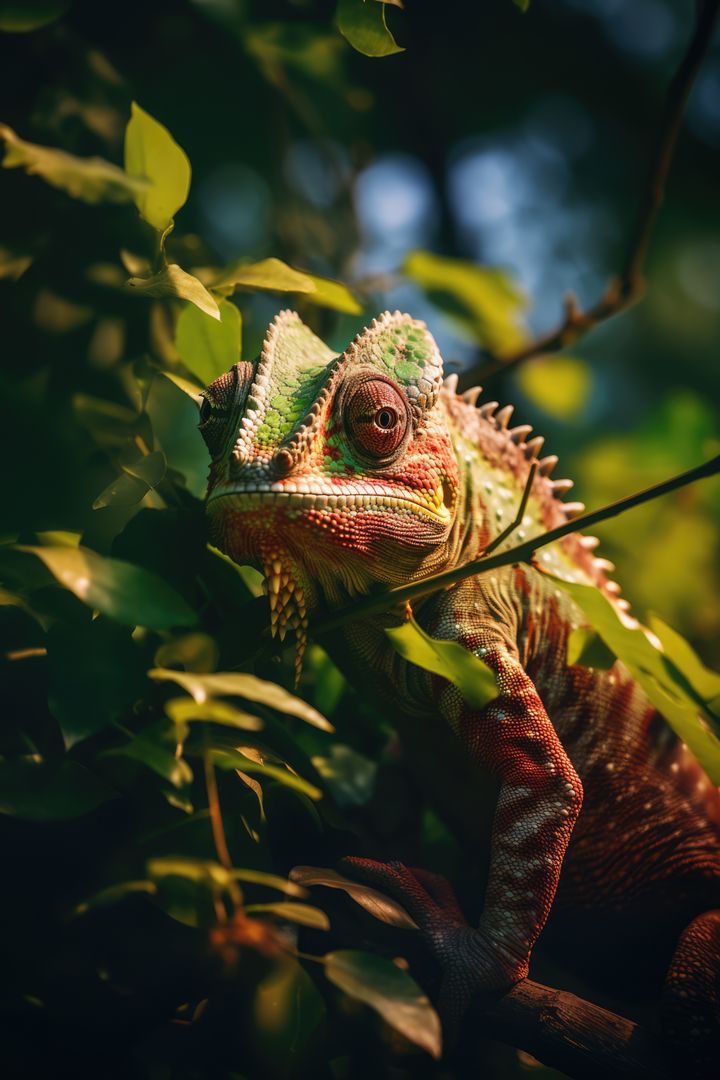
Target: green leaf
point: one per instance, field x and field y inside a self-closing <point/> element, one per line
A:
<point x="209" y="347"/>
<point x="234" y="759"/>
<point x="349" y="775"/>
<point x="364" y="26"/>
<point x="195" y="652"/>
<point x="156" y="751"/>
<point x="22" y="16"/>
<point x="212" y="711"/>
<point x="133" y="484"/>
<point x="191" y="389"/>
<point x="124" y="592"/>
<point x="704" y="682"/>
<point x="92" y="180"/>
<point x="240" y="684"/>
<point x="524" y="5"/>
<point x="587" y="648"/>
<point x="35" y="791"/>
<point x="151" y="152"/>
<point x="485" y="301"/>
<point x="94" y="675"/>
<point x="174" y="281"/>
<point x="303" y="914"/>
<point x="389" y="990"/>
<point x="473" y="678"/>
<point x="272" y="881"/>
<point x="333" y="294"/>
<point x="272" y="274"/>
<point x="376" y="903"/>
<point x="665" y="685"/>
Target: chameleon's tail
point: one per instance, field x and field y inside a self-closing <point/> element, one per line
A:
<point x="691" y="1000"/>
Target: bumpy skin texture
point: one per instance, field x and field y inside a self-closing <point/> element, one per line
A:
<point x="338" y="473"/>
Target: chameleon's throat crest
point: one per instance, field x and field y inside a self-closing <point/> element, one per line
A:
<point x="288" y="602"/>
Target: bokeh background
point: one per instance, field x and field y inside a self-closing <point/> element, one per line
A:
<point x="514" y="141"/>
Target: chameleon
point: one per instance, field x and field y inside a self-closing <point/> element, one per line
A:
<point x="338" y="474"/>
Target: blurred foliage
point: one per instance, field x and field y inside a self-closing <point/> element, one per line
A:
<point x="158" y="778"/>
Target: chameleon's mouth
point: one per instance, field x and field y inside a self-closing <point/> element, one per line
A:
<point x="292" y="495"/>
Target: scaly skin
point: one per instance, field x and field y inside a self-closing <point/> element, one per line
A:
<point x="338" y="473"/>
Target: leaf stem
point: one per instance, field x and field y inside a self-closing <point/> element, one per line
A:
<point x="216" y="821"/>
<point x="377" y="603"/>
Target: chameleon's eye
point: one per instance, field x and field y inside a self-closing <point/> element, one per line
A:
<point x="220" y="405"/>
<point x="376" y="417"/>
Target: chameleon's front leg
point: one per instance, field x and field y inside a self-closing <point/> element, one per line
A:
<point x="539" y="801"/>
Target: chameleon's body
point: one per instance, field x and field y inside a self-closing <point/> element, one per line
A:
<point x="337" y="473"/>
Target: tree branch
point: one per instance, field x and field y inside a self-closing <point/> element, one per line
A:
<point x="626" y="289"/>
<point x="378" y="602"/>
<point x="568" y="1033"/>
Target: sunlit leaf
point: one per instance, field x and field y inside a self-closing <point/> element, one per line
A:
<point x="272" y="274"/>
<point x="124" y="592"/>
<point x="473" y="678"/>
<point x="333" y="294"/>
<point x="13" y="264"/>
<point x="36" y="791"/>
<point x="240" y="684"/>
<point x="212" y="711"/>
<point x="202" y="870"/>
<point x="272" y="881"/>
<point x="92" y="179"/>
<point x="560" y="385"/>
<point x="484" y="300"/>
<point x="376" y="903"/>
<point x="303" y="914"/>
<point x="151" y="152"/>
<point x="664" y="683"/>
<point x="587" y="648"/>
<point x="389" y="990"/>
<point x="191" y="389"/>
<point x="209" y="347"/>
<point x="364" y="26"/>
<point x="234" y="759"/>
<point x="174" y="281"/>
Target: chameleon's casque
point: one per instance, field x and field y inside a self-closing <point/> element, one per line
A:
<point x="335" y="473"/>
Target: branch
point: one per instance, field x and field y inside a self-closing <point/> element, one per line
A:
<point x="567" y="1033"/>
<point x="624" y="290"/>
<point x="376" y="603"/>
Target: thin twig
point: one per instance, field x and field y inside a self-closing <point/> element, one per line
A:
<point x="216" y="821"/>
<point x="626" y="289"/>
<point x="383" y="601"/>
<point x="517" y="521"/>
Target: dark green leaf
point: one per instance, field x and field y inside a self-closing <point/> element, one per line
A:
<point x="118" y="589"/>
<point x="22" y="16"/>
<point x="209" y="347"/>
<point x="587" y="648"/>
<point x="37" y="791"/>
<point x="195" y="652"/>
<point x="473" y="678"/>
<point x="135" y="481"/>
<point x="390" y="991"/>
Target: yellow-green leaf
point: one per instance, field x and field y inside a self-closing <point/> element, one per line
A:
<point x="135" y="481"/>
<point x="152" y="153"/>
<point x="22" y="16"/>
<point x="234" y="759"/>
<point x="560" y="385"/>
<point x="92" y="179"/>
<point x="333" y="294"/>
<point x="365" y="27"/>
<point x="473" y="678"/>
<point x="389" y="990"/>
<point x="271" y="274"/>
<point x="212" y="711"/>
<point x="484" y="300"/>
<point x="241" y="684"/>
<point x="209" y="347"/>
<point x="272" y="881"/>
<point x="303" y="914"/>
<point x="376" y="903"/>
<point x="586" y="647"/>
<point x="127" y="593"/>
<point x="174" y="281"/>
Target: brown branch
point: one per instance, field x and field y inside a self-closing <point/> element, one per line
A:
<point x="376" y="603"/>
<point x="626" y="289"/>
<point x="566" y="1032"/>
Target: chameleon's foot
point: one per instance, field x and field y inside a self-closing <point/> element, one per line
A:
<point x="473" y="966"/>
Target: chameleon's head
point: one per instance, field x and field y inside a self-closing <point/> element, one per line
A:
<point x="331" y="472"/>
